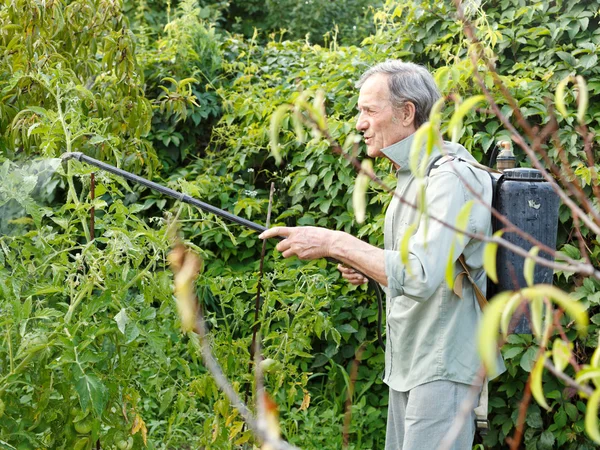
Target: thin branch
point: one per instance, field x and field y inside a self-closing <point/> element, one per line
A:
<point x="567" y="379"/>
<point x="256" y="326"/>
<point x="223" y="383"/>
<point x="525" y="401"/>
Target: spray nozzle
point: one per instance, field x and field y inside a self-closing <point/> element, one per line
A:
<point x="69" y="155"/>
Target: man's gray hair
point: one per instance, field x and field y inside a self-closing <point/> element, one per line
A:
<point x="407" y="82"/>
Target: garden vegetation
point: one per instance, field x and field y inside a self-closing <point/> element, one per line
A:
<point x="91" y="350"/>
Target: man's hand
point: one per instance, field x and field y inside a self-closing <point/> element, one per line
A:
<point x="305" y="242"/>
<point x="354" y="277"/>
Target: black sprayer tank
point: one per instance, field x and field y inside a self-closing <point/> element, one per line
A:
<point x="530" y="203"/>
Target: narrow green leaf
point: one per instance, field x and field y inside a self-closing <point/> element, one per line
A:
<point x="512" y="304"/>
<point x="536" y="381"/>
<point x="359" y="194"/>
<point x="462" y="218"/>
<point x="435" y="115"/>
<point x="548" y="324"/>
<point x="589" y="373"/>
<point x="562" y="299"/>
<point x="529" y="265"/>
<point x="561" y="354"/>
<point x="450" y="267"/>
<point x="487" y="338"/>
<point x="456" y="122"/>
<point x="319" y="101"/>
<point x="582" y="99"/>
<point x="591" y="417"/>
<point x="537" y="309"/>
<point x="298" y="126"/>
<point x="489" y="257"/>
<point x="410" y="231"/>
<point x="559" y="96"/>
<point x="416" y="150"/>
<point x="276" y="120"/>
<point x="595" y="361"/>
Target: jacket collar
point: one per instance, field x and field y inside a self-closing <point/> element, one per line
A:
<point x="399" y="153"/>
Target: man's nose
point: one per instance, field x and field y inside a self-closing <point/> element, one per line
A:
<point x="361" y="124"/>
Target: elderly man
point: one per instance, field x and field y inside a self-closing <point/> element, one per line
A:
<point x="430" y="359"/>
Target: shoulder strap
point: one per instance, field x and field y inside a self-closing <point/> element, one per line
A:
<point x="458" y="284"/>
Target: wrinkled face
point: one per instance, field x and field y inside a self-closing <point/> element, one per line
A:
<point x="380" y="124"/>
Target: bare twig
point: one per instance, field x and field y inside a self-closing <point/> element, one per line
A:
<point x="256" y="325"/>
<point x="516" y="439"/>
<point x="224" y="385"/>
<point x="567" y="379"/>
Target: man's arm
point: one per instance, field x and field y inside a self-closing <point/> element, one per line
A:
<point x="313" y="243"/>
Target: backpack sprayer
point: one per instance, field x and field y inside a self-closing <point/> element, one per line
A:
<point x="179" y="196"/>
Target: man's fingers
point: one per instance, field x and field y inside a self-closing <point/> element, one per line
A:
<point x="351" y="275"/>
<point x="275" y="231"/>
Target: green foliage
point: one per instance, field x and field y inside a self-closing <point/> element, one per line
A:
<point x="348" y="21"/>
<point x="69" y="82"/>
<point x="180" y="69"/>
<point x="91" y="344"/>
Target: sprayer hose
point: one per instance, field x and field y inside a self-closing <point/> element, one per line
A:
<point x="218" y="212"/>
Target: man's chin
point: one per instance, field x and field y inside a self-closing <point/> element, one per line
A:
<point x="374" y="152"/>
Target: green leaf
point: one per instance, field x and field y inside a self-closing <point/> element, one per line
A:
<point x="591" y="417"/>
<point x="574" y="309"/>
<point x="546" y="441"/>
<point x="489" y="257"/>
<point x="122" y="320"/>
<point x="590" y="373"/>
<point x="528" y="359"/>
<point x="456" y="122"/>
<point x="462" y="218"/>
<point x="416" y="158"/>
<point x="537" y="309"/>
<point x="276" y="120"/>
<point x="359" y="202"/>
<point x="582" y="98"/>
<point x="529" y="265"/>
<point x="487" y="339"/>
<point x="559" y="96"/>
<point x="536" y="381"/>
<point x="450" y="267"/>
<point x="410" y="231"/>
<point x="561" y="354"/>
<point x="595" y="361"/>
<point x="511" y="306"/>
<point x="512" y="352"/>
<point x="346" y="328"/>
<point x="92" y="393"/>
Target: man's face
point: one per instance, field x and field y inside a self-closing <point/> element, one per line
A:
<point x="380" y="124"/>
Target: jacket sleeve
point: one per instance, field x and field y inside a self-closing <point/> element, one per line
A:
<point x="430" y="246"/>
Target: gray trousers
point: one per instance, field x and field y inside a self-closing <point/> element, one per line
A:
<point x="420" y="418"/>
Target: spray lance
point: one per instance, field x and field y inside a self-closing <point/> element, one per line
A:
<point x="179" y="196"/>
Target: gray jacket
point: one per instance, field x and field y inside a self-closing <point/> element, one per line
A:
<point x="431" y="332"/>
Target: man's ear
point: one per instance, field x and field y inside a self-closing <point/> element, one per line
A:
<point x="408" y="114"/>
